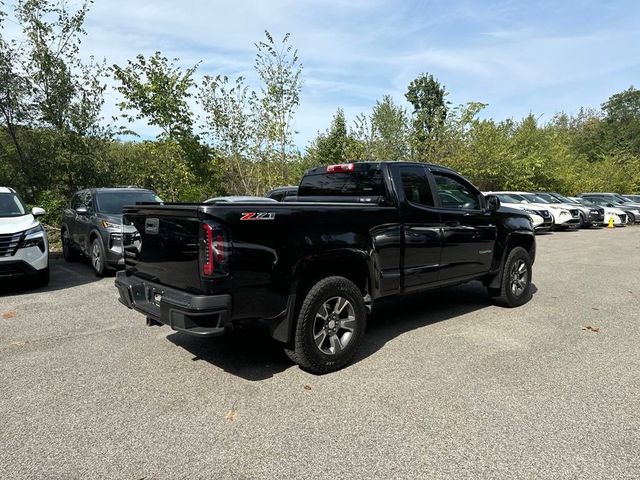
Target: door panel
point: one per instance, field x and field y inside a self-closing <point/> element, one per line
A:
<point x="83" y="222"/>
<point x="421" y="228"/>
<point x="468" y="239"/>
<point x="468" y="232"/>
<point x="422" y="249"/>
<point x="70" y="217"/>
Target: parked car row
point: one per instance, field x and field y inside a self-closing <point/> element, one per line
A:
<point x="547" y="210"/>
<point x="551" y="210"/>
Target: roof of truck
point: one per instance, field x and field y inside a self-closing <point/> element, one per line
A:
<point x="372" y="164"/>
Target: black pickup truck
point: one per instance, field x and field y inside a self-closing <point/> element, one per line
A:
<point x="314" y="266"/>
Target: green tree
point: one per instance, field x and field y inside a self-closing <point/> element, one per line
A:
<point x="622" y="121"/>
<point x="279" y="68"/>
<point x="232" y="116"/>
<point x="158" y="91"/>
<point x="254" y="130"/>
<point x="51" y="99"/>
<point x="335" y="145"/>
<point x="430" y="108"/>
<point x="389" y="126"/>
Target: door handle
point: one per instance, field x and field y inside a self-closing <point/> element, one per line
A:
<point x="452" y="223"/>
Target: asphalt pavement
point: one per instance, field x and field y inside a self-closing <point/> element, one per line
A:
<point x="445" y="385"/>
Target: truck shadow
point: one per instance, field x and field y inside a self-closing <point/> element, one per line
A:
<point x="250" y="354"/>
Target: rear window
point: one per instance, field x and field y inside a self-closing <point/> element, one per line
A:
<point x="365" y="181"/>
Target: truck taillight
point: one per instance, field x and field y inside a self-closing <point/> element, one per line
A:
<point x="342" y="167"/>
<point x="214" y="251"/>
<point x="207" y="264"/>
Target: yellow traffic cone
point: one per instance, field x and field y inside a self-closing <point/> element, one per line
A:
<point x="610" y="222"/>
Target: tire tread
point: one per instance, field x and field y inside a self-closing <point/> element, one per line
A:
<point x="300" y="354"/>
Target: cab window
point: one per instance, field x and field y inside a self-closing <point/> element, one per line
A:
<point x="416" y="185"/>
<point x="454" y="193"/>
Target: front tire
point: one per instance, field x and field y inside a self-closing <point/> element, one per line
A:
<point x="515" y="287"/>
<point x="330" y="327"/>
<point x="98" y="258"/>
<point x="631" y="219"/>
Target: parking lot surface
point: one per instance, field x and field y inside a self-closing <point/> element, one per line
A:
<point x="444" y="386"/>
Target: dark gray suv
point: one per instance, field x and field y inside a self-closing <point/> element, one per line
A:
<point x="92" y="225"/>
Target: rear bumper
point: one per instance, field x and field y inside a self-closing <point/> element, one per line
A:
<point x="199" y="315"/>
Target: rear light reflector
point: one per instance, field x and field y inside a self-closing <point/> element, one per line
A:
<point x="208" y="265"/>
<point x="342" y="167"/>
<point x="218" y="249"/>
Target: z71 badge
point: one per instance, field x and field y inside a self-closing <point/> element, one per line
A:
<point x="258" y="216"/>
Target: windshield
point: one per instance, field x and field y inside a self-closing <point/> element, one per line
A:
<point x="534" y="198"/>
<point x="599" y="201"/>
<point x="549" y="198"/>
<point x="510" y="198"/>
<point x="113" y="202"/>
<point x="564" y="199"/>
<point x="621" y="199"/>
<point x="11" y="205"/>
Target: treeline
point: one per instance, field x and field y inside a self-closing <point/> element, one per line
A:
<point x="54" y="140"/>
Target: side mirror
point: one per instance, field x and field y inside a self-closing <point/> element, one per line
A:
<point x="37" y="211"/>
<point x="493" y="203"/>
<point x="82" y="210"/>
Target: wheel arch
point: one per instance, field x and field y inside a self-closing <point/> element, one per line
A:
<point x="353" y="265"/>
<point x="350" y="264"/>
<point x="93" y="234"/>
<point x="519" y="238"/>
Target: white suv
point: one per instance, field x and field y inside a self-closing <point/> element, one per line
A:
<point x="24" y="247"/>
<point x="563" y="216"/>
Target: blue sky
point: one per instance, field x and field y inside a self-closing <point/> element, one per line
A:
<point x="519" y="57"/>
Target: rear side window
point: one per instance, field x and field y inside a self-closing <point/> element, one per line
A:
<point x="75" y="201"/>
<point x="113" y="202"/>
<point x="416" y="185"/>
<point x="366" y="181"/>
<point x="87" y="201"/>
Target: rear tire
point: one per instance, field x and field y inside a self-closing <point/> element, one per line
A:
<point x="515" y="286"/>
<point x="330" y="326"/>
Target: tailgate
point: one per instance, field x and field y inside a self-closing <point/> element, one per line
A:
<point x="165" y="247"/>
